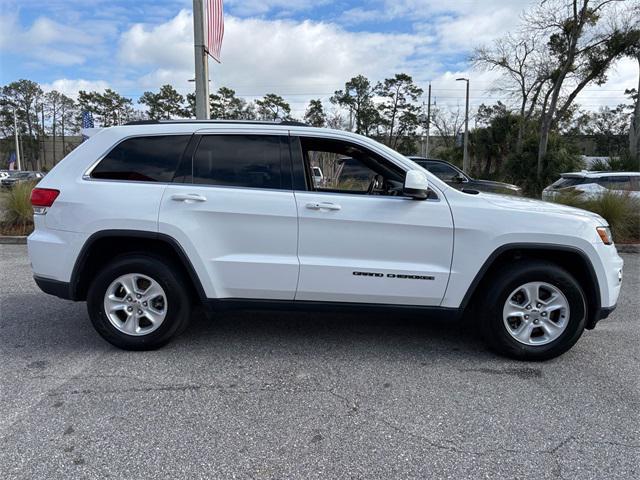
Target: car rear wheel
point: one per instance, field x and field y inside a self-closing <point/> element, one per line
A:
<point x="138" y="302"/>
<point x="534" y="310"/>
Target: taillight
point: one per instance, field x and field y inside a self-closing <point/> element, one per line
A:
<point x="43" y="198"/>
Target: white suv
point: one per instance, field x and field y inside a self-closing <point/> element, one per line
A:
<point x="147" y="220"/>
<point x="594" y="184"/>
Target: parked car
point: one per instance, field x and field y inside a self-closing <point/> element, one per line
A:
<point x="593" y="184"/>
<point x="455" y="177"/>
<point x="19" y="176"/>
<point x="145" y="221"/>
<point x="318" y="177"/>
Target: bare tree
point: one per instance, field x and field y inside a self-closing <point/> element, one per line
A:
<point x="448" y="123"/>
<point x="585" y="38"/>
<point x="336" y="120"/>
<point x="518" y="58"/>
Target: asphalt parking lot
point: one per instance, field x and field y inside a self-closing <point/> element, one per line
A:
<point x="301" y="395"/>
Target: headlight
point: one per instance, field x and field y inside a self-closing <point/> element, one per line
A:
<point x="605" y="235"/>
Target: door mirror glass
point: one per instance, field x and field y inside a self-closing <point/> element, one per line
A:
<point x="416" y="185"/>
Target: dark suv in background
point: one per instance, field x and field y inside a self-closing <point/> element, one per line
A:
<point x="455" y="177"/>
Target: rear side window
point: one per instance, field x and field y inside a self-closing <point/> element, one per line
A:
<point x="615" y="183"/>
<point x="565" y="182"/>
<point x="145" y="159"/>
<point x="254" y="161"/>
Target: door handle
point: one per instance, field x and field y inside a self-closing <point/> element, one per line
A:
<point x="188" y="197"/>
<point x="323" y="206"/>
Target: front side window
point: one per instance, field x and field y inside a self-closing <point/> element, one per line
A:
<point x="254" y="161"/>
<point x="349" y="168"/>
<point x="146" y="159"/>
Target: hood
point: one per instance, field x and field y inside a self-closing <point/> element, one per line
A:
<point x="531" y="205"/>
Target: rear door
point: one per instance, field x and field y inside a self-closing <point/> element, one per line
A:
<point x="232" y="209"/>
<point x="125" y="186"/>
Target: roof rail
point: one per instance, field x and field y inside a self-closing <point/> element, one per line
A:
<point x="290" y="123"/>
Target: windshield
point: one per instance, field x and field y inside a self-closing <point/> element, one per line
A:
<point x="565" y="182"/>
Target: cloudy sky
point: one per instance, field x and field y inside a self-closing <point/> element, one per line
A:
<point x="300" y="49"/>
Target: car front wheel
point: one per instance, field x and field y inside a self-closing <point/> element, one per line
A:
<point x="534" y="310"/>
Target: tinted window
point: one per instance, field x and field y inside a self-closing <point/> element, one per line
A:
<point x="148" y="159"/>
<point x="441" y="170"/>
<point x="615" y="183"/>
<point x="565" y="182"/>
<point x="349" y="168"/>
<point x="240" y="161"/>
<point x="354" y="171"/>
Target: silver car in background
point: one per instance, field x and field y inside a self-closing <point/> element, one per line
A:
<point x="594" y="184"/>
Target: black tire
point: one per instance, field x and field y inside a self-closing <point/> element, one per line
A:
<point x="506" y="281"/>
<point x="170" y="279"/>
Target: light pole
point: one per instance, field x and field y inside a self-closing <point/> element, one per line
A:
<point x="466" y="166"/>
<point x="17" y="137"/>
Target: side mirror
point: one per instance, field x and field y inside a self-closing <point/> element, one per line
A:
<point x="416" y="185"/>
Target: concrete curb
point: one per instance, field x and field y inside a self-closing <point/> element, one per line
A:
<point x="12" y="240"/>
<point x="628" y="248"/>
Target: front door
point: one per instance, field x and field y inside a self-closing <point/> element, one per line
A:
<point x="360" y="239"/>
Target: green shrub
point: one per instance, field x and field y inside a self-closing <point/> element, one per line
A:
<point x="623" y="163"/>
<point x="521" y="169"/>
<point x="619" y="209"/>
<point x="599" y="165"/>
<point x="18" y="211"/>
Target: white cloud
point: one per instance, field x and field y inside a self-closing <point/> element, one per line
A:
<point x="262" y="7"/>
<point x="299" y="60"/>
<point x="169" y="43"/>
<point x="623" y="75"/>
<point x="296" y="59"/>
<point x="46" y="41"/>
<point x="463" y="33"/>
<point x="71" y="87"/>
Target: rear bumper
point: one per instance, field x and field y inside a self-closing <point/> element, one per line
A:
<point x="54" y="287"/>
<point x="53" y="253"/>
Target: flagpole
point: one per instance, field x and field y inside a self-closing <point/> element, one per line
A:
<point x="15" y="131"/>
<point x="201" y="61"/>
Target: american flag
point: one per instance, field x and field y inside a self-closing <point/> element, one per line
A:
<point x="12" y="161"/>
<point x="215" y="28"/>
<point x="87" y="120"/>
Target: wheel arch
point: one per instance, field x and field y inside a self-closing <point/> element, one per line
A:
<point x="572" y="259"/>
<point x="100" y="247"/>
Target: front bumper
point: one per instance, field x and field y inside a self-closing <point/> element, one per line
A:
<point x="54" y="287"/>
<point x="598" y="315"/>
